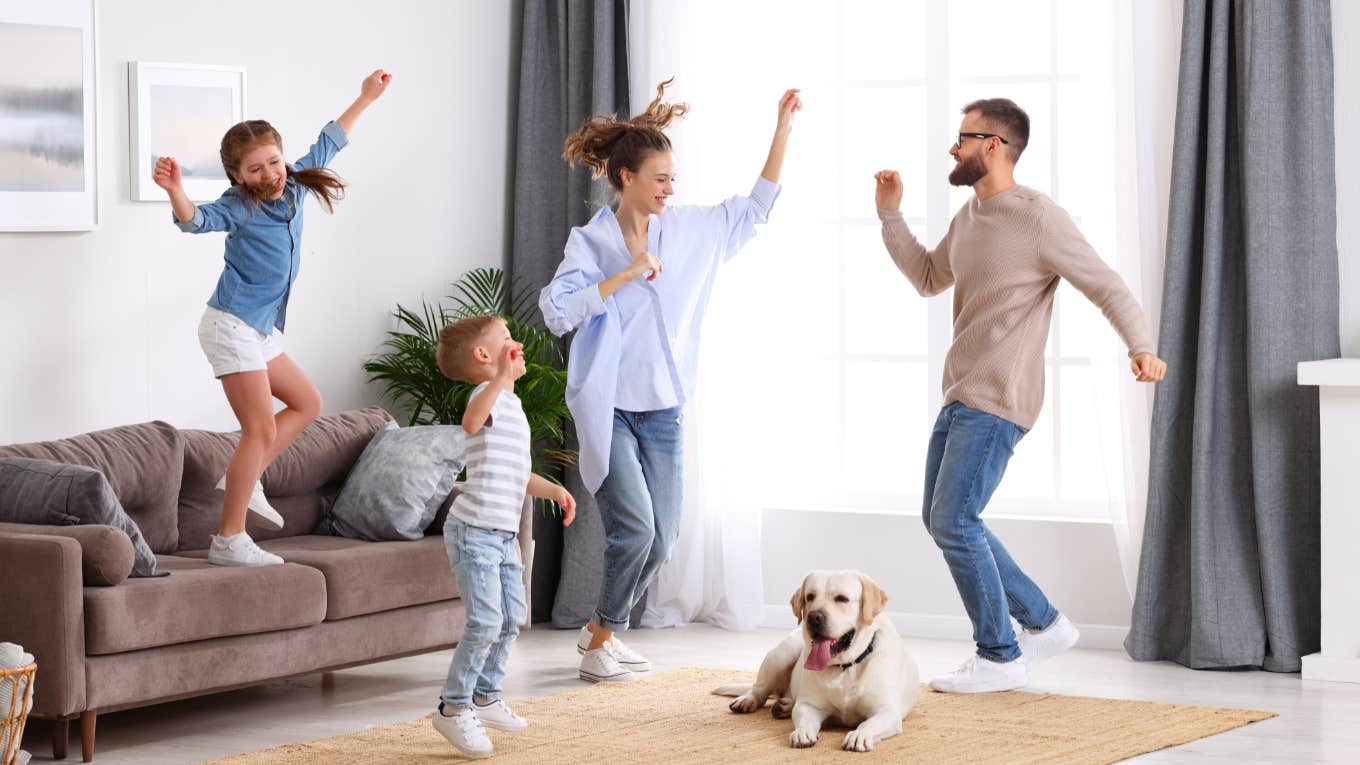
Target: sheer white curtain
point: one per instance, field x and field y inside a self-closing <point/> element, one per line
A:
<point x="1147" y="53"/>
<point x="715" y="571"/>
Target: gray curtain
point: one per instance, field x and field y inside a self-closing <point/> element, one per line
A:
<point x="1229" y="571"/>
<point x="573" y="64"/>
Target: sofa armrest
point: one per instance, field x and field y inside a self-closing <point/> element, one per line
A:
<point x="526" y="556"/>
<point x="42" y="609"/>
<point x="106" y="556"/>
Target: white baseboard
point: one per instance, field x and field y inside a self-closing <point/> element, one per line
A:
<point x="938" y="627"/>
<point x="1337" y="669"/>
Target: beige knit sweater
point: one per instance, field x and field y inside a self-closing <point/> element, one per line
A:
<point x="1003" y="257"/>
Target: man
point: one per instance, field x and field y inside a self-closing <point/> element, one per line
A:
<point x="1003" y="254"/>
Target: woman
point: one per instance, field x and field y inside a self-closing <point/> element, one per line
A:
<point x="636" y="282"/>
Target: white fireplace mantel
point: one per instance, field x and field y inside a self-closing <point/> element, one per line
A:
<point x="1338" y="382"/>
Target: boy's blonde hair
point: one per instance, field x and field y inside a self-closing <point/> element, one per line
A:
<point x="456" y="341"/>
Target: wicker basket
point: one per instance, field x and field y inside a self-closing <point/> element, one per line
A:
<point x="17" y="686"/>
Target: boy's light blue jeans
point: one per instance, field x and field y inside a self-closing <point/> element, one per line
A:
<point x="639" y="507"/>
<point x="968" y="453"/>
<point x="490" y="580"/>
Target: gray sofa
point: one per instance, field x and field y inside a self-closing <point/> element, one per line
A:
<point x="104" y="642"/>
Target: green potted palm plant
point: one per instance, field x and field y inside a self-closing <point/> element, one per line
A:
<point x="406" y="366"/>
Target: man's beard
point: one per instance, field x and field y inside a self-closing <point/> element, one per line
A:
<point x="968" y="172"/>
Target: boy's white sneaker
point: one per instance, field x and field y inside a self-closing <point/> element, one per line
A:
<point x="979" y="675"/>
<point x="630" y="660"/>
<point x="239" y="550"/>
<point x="600" y="666"/>
<point x="464" y="731"/>
<point x="497" y="714"/>
<point x="1047" y="642"/>
<point x="258" y="505"/>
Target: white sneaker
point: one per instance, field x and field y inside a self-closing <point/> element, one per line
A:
<point x="464" y="731"/>
<point x="600" y="666"/>
<point x="239" y="550"/>
<point x="258" y="505"/>
<point x="497" y="714"/>
<point x="630" y="660"/>
<point x="979" y="675"/>
<point x="1048" y="642"/>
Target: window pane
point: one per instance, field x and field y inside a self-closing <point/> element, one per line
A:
<point x="787" y="282"/>
<point x="884" y="129"/>
<point x="883" y="313"/>
<point x="887" y="428"/>
<point x="1085" y="31"/>
<point x="1029" y="476"/>
<point x="999" y="37"/>
<point x="883" y="39"/>
<point x="1090" y="468"/>
<point x="812" y="166"/>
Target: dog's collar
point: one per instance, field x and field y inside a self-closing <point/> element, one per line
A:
<point x="862" y="656"/>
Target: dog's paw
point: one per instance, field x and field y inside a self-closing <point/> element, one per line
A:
<point x="782" y="709"/>
<point x="744" y="704"/>
<point x="802" y="739"/>
<point x="855" y="741"/>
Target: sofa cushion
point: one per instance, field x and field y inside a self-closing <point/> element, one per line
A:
<point x="299" y="483"/>
<point x="58" y="493"/>
<point x="398" y="484"/>
<point x="368" y="577"/>
<point x="105" y="552"/>
<point x="141" y="462"/>
<point x="200" y="601"/>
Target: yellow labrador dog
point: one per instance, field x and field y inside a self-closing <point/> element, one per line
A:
<point x="845" y="663"/>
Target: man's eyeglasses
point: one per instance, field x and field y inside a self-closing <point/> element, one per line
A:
<point x="959" y="143"/>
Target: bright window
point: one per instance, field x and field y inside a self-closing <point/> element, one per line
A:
<point x="822" y="364"/>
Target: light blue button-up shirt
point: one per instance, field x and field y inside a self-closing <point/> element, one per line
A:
<point x="646" y="334"/>
<point x="263" y="243"/>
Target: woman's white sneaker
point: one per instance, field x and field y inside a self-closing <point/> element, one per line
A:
<point x="497" y="714"/>
<point x="1047" y="642"/>
<point x="464" y="731"/>
<point x="258" y="505"/>
<point x="630" y="660"/>
<point x="979" y="675"/>
<point x="239" y="550"/>
<point x="600" y="666"/>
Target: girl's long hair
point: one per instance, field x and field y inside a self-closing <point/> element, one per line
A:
<point x="607" y="145"/>
<point x="325" y="185"/>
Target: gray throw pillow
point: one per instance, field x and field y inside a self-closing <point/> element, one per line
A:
<point x="59" y="494"/>
<point x="398" y="484"/>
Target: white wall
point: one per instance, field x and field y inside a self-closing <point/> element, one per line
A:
<point x="1345" y="31"/>
<point x="99" y="327"/>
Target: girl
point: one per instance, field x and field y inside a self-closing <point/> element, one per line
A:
<point x="262" y="215"/>
<point x="636" y="281"/>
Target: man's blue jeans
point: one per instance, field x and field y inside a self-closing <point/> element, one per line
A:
<point x="968" y="453"/>
<point x="490" y="580"/>
<point x="639" y="504"/>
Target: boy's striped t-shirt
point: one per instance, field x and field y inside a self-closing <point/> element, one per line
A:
<point x="498" y="466"/>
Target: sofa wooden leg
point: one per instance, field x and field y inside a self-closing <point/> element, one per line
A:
<point x="87" y="719"/>
<point x="60" y="730"/>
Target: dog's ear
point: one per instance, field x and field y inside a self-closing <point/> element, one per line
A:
<point x="799" y="601"/>
<point x="872" y="599"/>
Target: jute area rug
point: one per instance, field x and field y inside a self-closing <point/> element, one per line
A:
<point x="672" y="718"/>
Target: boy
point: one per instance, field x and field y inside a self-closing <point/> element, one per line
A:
<point x="481" y="529"/>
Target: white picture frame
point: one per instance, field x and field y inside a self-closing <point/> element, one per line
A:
<point x="182" y="110"/>
<point x="49" y="115"/>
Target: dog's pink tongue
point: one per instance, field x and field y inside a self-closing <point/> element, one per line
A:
<point x="819" y="656"/>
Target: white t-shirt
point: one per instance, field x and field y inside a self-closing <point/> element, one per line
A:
<point x="498" y="466"/>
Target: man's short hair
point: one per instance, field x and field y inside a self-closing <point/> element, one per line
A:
<point x="1003" y="117"/>
<point x="456" y="341"/>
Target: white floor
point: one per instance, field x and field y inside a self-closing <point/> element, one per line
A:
<point x="1317" y="721"/>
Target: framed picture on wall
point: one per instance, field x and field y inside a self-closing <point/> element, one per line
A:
<point x="49" y="106"/>
<point x="182" y="111"/>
